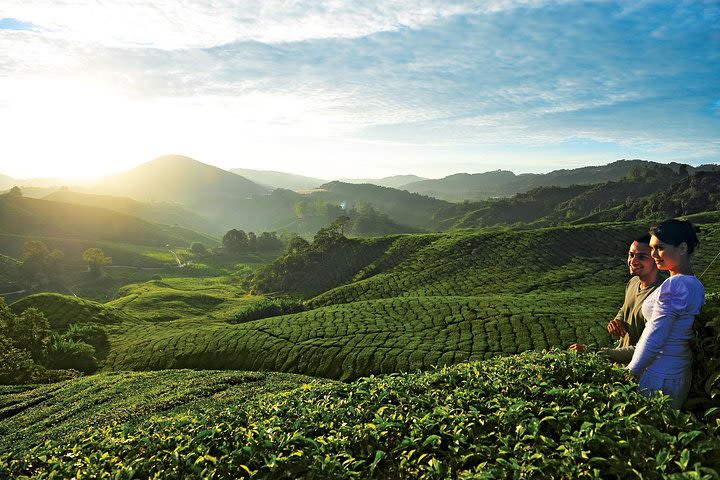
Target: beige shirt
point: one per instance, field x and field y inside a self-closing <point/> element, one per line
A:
<point x="630" y="314"/>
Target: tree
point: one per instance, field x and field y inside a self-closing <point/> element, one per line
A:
<point x="198" y="249"/>
<point x="38" y="262"/>
<point x="235" y="241"/>
<point x="29" y="331"/>
<point x="96" y="259"/>
<point x="15" y="192"/>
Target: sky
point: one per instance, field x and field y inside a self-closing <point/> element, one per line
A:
<point x="335" y="88"/>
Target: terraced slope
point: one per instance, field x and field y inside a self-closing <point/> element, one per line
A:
<point x="62" y="310"/>
<point x="30" y="415"/>
<point x="376" y="336"/>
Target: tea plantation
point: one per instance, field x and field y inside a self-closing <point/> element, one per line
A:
<point x="537" y="415"/>
<point x="441" y="339"/>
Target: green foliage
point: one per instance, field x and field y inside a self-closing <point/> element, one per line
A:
<point x="268" y="308"/>
<point x="32" y="414"/>
<point x="28" y="331"/>
<point x="96" y="259"/>
<point x="540" y="415"/>
<point x="199" y="249"/>
<point x="63" y="310"/>
<point x="90" y="334"/>
<point x="375" y="336"/>
<point x="705" y="390"/>
<point x="38" y="263"/>
<point x="69" y="354"/>
<point x="16" y="365"/>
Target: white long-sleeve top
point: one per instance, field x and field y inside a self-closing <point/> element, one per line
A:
<point x="669" y="311"/>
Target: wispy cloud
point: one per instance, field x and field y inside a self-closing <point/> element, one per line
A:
<point x="461" y="78"/>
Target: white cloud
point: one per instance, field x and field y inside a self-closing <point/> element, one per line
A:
<point x="171" y="24"/>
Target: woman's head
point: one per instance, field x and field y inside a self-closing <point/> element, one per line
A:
<point x="675" y="232"/>
<point x="671" y="244"/>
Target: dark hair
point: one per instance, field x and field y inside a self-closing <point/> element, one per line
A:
<point x="675" y="232"/>
<point x="645" y="239"/>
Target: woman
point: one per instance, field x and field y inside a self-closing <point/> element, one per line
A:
<point x="662" y="360"/>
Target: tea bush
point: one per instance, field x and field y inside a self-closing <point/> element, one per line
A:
<point x="376" y="336"/>
<point x="540" y="415"/>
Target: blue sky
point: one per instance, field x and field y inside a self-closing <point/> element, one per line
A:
<point x="357" y="89"/>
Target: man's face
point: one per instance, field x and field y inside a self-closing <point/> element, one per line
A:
<point x="640" y="260"/>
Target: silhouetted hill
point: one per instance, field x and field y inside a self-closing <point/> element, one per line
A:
<point x="689" y="195"/>
<point x="557" y="205"/>
<point x="274" y="179"/>
<point x="42" y="218"/>
<point x="175" y="178"/>
<point x="152" y="212"/>
<point x="395" y="181"/>
<point x="407" y="208"/>
<point x="503" y="183"/>
<point x="207" y="190"/>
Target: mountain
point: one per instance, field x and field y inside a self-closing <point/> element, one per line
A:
<point x="464" y="186"/>
<point x="502" y="183"/>
<point x="175" y="178"/>
<point x="206" y="190"/>
<point x="410" y="209"/>
<point x="274" y="179"/>
<point x="7" y="182"/>
<point x="395" y="181"/>
<point x="163" y="213"/>
<point x="30" y="217"/>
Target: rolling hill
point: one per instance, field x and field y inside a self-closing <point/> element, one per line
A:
<point x="481" y="186"/>
<point x="162" y="213"/>
<point x="31" y="217"/>
<point x="273" y="179"/>
<point x="206" y="190"/>
<point x="395" y="181"/>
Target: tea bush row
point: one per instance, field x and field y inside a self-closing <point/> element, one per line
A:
<point x="378" y="336"/>
<point x="32" y="414"/>
<point x="534" y="415"/>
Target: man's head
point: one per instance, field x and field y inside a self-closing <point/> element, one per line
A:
<point x="640" y="261"/>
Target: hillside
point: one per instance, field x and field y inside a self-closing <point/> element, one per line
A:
<point x="417" y="302"/>
<point x="409" y="209"/>
<point x="162" y="213"/>
<point x="273" y="180"/>
<point x="481" y="186"/>
<point x="31" y="217"/>
<point x="206" y="190"/>
<point x="556" y="415"/>
<point x="395" y="181"/>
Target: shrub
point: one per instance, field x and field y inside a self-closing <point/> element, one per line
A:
<point x="89" y="333"/>
<point x="268" y="308"/>
<point x="71" y="354"/>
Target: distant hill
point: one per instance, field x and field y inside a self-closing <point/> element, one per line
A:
<point x="163" y="213"/>
<point x="689" y="195"/>
<point x="502" y="183"/>
<point x="7" y="182"/>
<point x="272" y="179"/>
<point x="464" y="186"/>
<point x="410" y="209"/>
<point x="395" y="181"/>
<point x="31" y="217"/>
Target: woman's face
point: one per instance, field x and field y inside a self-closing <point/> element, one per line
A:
<point x="667" y="256"/>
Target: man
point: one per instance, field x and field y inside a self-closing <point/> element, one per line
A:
<point x="629" y="322"/>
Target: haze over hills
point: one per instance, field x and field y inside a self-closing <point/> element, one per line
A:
<point x="163" y="213"/>
<point x="180" y="179"/>
<point x="395" y="181"/>
<point x="29" y="218"/>
<point x="273" y="179"/>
